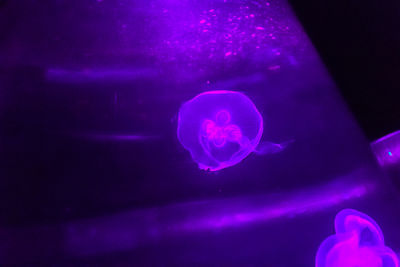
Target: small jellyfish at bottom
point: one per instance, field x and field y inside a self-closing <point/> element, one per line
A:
<point x="221" y="128"/>
<point x="358" y="242"/>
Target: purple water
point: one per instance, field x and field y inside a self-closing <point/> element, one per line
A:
<point x="92" y="171"/>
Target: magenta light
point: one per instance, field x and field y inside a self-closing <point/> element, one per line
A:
<point x="219" y="128"/>
<point x="358" y="242"/>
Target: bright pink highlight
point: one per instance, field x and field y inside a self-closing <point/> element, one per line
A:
<point x="358" y="242"/>
<point x="348" y="253"/>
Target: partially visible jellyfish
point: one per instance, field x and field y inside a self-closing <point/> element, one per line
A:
<point x="221" y="128"/>
<point x="358" y="242"/>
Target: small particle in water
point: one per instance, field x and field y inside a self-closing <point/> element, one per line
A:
<point x="228" y="53"/>
<point x="202" y="21"/>
<point x="275" y="67"/>
<point x="260" y="28"/>
<point x="390" y="153"/>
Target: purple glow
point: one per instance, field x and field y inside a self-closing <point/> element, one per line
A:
<point x="114" y="137"/>
<point x="310" y="201"/>
<point x="114" y="187"/>
<point x="122" y="137"/>
<point x="219" y="128"/>
<point x="358" y="242"/>
<point x="387" y="137"/>
<point x="129" y="230"/>
<point x="141" y="228"/>
<point x="96" y="75"/>
<point x="387" y="149"/>
<point x="236" y="82"/>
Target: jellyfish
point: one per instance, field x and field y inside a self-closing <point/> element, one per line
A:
<point x="221" y="128"/>
<point x="358" y="242"/>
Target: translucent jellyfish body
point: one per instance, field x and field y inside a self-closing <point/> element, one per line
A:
<point x="219" y="128"/>
<point x="358" y="242"/>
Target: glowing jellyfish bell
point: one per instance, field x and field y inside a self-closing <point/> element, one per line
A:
<point x="220" y="128"/>
<point x="358" y="242"/>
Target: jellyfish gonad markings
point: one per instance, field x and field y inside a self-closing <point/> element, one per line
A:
<point x="220" y="131"/>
